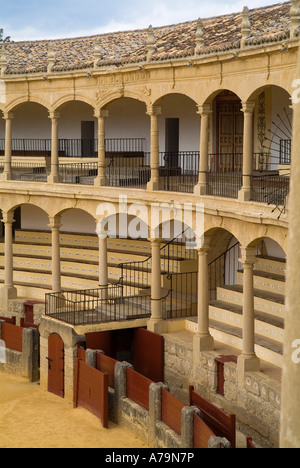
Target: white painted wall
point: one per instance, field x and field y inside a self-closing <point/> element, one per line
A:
<point x="280" y="123"/>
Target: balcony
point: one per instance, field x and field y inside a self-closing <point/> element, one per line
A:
<point x="128" y="165"/>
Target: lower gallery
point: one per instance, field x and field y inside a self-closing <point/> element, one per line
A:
<point x="147" y="259"/>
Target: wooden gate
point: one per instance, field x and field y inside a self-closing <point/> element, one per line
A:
<point x="55" y="359"/>
<point x="149" y="354"/>
<point x="91" y="390"/>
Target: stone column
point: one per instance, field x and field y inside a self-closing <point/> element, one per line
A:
<point x="203" y="341"/>
<point x="248" y="361"/>
<point x="205" y="112"/>
<point x="154" y="183"/>
<point x="156" y="323"/>
<point x="55" y="224"/>
<point x="101" y="180"/>
<point x="54" y="176"/>
<point x="290" y="401"/>
<point x="8" y="291"/>
<point x="103" y="267"/>
<point x="245" y="193"/>
<point x="7" y="173"/>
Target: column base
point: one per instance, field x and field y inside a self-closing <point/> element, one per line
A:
<point x="200" y="189"/>
<point x="6" y="294"/>
<point x="101" y="182"/>
<point x="153" y="186"/>
<point x="246" y="363"/>
<point x="54" y="179"/>
<point x="5" y="176"/>
<point x="202" y="343"/>
<point x="245" y="195"/>
<point x="158" y="326"/>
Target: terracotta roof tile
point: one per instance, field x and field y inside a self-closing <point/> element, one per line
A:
<point x="171" y="42"/>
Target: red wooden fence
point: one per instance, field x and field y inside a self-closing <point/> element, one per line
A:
<point x="107" y="365"/>
<point x="81" y="354"/>
<point x="137" y="388"/>
<point x="11" y="320"/>
<point x="91" y="391"/>
<point x="12" y="336"/>
<point x="171" y="409"/>
<point x="202" y="433"/>
<point x="220" y="423"/>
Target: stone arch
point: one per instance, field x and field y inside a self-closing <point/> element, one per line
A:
<point x="13" y="105"/>
<point x="269" y="246"/>
<point x="111" y="96"/>
<point x="68" y="98"/>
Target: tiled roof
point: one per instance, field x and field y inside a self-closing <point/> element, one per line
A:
<point x="268" y="24"/>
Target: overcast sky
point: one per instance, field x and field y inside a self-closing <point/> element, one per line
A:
<point x="53" y="19"/>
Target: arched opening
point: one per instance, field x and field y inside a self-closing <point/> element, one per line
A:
<point x="77" y="130"/>
<point x="127" y="143"/>
<point x="179" y="137"/>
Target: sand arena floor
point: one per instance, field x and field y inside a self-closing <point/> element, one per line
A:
<point x="32" y="418"/>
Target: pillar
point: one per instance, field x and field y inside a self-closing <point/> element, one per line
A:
<point x="54" y="176"/>
<point x="248" y="361"/>
<point x="201" y="187"/>
<point x="8" y="291"/>
<point x="7" y="172"/>
<point x="101" y="180"/>
<point x="156" y="323"/>
<point x="154" y="183"/>
<point x="55" y="224"/>
<point x="290" y="401"/>
<point x="103" y="267"/>
<point x="245" y="193"/>
<point x="203" y="341"/>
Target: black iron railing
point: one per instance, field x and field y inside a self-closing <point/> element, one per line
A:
<point x="224" y="184"/>
<point x="78" y="173"/>
<point x="271" y="189"/>
<point x="179" y="170"/>
<point x="223" y="270"/>
<point x="182" y="297"/>
<point x="92" y="306"/>
<point x="72" y="147"/>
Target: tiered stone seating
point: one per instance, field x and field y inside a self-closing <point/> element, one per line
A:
<point x="226" y="312"/>
<point x="80" y="262"/>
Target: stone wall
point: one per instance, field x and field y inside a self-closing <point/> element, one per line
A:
<point x="256" y="404"/>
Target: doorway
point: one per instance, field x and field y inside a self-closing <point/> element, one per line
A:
<point x="230" y="133"/>
<point x="87" y="139"/>
<point x="56" y="371"/>
<point x="172" y="142"/>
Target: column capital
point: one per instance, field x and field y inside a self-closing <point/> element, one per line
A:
<point x="8" y="115"/>
<point x="155" y="240"/>
<point x="8" y="217"/>
<point x="153" y="110"/>
<point x="248" y="107"/>
<point x="98" y="113"/>
<point x="54" y="115"/>
<point x="248" y="256"/>
<point x="204" y="109"/>
<point x="54" y="222"/>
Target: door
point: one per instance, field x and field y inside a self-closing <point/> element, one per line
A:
<point x="230" y="140"/>
<point x="56" y="366"/>
<point x="87" y="139"/>
<point x="172" y="142"/>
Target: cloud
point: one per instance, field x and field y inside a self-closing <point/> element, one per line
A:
<point x="94" y="17"/>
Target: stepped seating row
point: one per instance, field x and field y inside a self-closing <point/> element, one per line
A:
<point x="32" y="257"/>
<point x="226" y="312"/>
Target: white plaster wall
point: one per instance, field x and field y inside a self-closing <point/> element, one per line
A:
<point x="78" y="221"/>
<point x="34" y="218"/>
<point x="280" y="101"/>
